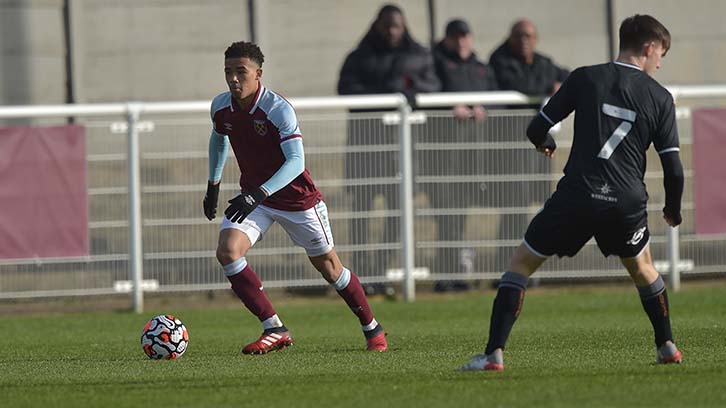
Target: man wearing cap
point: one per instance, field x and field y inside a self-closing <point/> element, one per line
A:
<point x="459" y="70"/>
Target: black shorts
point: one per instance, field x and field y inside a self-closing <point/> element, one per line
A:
<point x="566" y="223"/>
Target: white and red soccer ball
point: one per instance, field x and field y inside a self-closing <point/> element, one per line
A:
<point x="164" y="337"/>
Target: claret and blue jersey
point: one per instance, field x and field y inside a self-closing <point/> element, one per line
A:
<point x="257" y="136"/>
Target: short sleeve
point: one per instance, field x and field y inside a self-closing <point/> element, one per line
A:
<point x="562" y="103"/>
<point x="220" y="102"/>
<point x="666" y="135"/>
<point x="284" y="118"/>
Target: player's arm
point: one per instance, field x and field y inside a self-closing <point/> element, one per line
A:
<point x="667" y="146"/>
<point x="218" y="148"/>
<point x="561" y="104"/>
<point x="673" y="184"/>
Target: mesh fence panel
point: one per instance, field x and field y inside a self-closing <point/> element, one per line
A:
<point x="476" y="187"/>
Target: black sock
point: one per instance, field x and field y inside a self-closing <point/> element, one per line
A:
<point x="507" y="306"/>
<point x="654" y="298"/>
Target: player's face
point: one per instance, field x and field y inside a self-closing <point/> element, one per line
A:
<point x="242" y="75"/>
<point x="654" y="53"/>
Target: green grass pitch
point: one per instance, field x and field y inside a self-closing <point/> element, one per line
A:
<point x="579" y="346"/>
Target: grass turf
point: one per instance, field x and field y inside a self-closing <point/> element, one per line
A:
<point x="570" y="347"/>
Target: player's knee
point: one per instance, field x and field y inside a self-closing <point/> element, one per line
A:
<point x="524" y="262"/>
<point x="227" y="254"/>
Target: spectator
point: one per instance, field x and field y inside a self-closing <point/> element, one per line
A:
<point x="519" y="67"/>
<point x="386" y="60"/>
<point x="459" y="70"/>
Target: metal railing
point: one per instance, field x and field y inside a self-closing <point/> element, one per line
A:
<point x="325" y="119"/>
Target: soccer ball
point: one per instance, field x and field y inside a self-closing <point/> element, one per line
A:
<point x="164" y="337"/>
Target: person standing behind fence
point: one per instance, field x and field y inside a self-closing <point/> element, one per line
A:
<point x="265" y="136"/>
<point x="387" y="60"/>
<point x="459" y="70"/>
<point x="620" y="110"/>
<point x="519" y="67"/>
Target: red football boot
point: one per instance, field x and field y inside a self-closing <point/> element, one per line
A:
<point x="668" y="353"/>
<point x="377" y="343"/>
<point x="269" y="341"/>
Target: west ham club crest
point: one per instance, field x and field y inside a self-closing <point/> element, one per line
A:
<point x="260" y="127"/>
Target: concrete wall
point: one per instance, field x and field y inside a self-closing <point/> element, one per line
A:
<point x="153" y="50"/>
<point x="698" y="49"/>
<point x="172" y="49"/>
<point x="32" y="52"/>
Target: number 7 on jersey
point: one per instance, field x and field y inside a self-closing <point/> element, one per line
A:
<point x="620" y="132"/>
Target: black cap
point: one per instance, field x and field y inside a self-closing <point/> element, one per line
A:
<point x="457" y="27"/>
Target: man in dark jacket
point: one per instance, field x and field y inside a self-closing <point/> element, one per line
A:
<point x="459" y="70"/>
<point x="519" y="67"/>
<point x="387" y="60"/>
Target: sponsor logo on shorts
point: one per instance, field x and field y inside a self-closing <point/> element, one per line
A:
<point x="603" y="194"/>
<point x="637" y="236"/>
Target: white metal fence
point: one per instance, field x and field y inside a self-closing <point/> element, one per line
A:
<point x="411" y="192"/>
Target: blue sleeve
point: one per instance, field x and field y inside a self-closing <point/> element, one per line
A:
<point x="218" y="148"/>
<point x="293" y="166"/>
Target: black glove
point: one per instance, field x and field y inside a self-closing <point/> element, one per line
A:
<point x="549" y="143"/>
<point x="242" y="205"/>
<point x="675" y="216"/>
<point x="210" y="200"/>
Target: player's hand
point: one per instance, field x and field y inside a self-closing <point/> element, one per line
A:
<point x="210" y="200"/>
<point x="242" y="205"/>
<point x="672" y="218"/>
<point x="548" y="146"/>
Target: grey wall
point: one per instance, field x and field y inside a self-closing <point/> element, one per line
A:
<point x="155" y="50"/>
<point x="32" y="52"/>
<point x="698" y="50"/>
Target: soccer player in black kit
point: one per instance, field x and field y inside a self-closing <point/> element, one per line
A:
<point x="619" y="111"/>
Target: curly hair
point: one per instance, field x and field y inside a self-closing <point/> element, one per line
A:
<point x="242" y="49"/>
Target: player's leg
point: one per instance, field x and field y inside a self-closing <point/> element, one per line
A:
<point x="561" y="214"/>
<point x="350" y="289"/>
<point x="235" y="239"/>
<point x="507" y="306"/>
<point x="654" y="297"/>
<point x="311" y="230"/>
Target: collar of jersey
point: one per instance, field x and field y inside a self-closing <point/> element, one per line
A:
<point x="628" y="65"/>
<point x="260" y="90"/>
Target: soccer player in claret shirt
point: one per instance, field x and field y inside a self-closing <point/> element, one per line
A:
<point x="265" y="136"/>
<point x="619" y="111"/>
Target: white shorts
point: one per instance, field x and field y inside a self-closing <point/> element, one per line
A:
<point x="309" y="229"/>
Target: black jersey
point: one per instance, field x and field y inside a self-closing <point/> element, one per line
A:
<point x="619" y="112"/>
